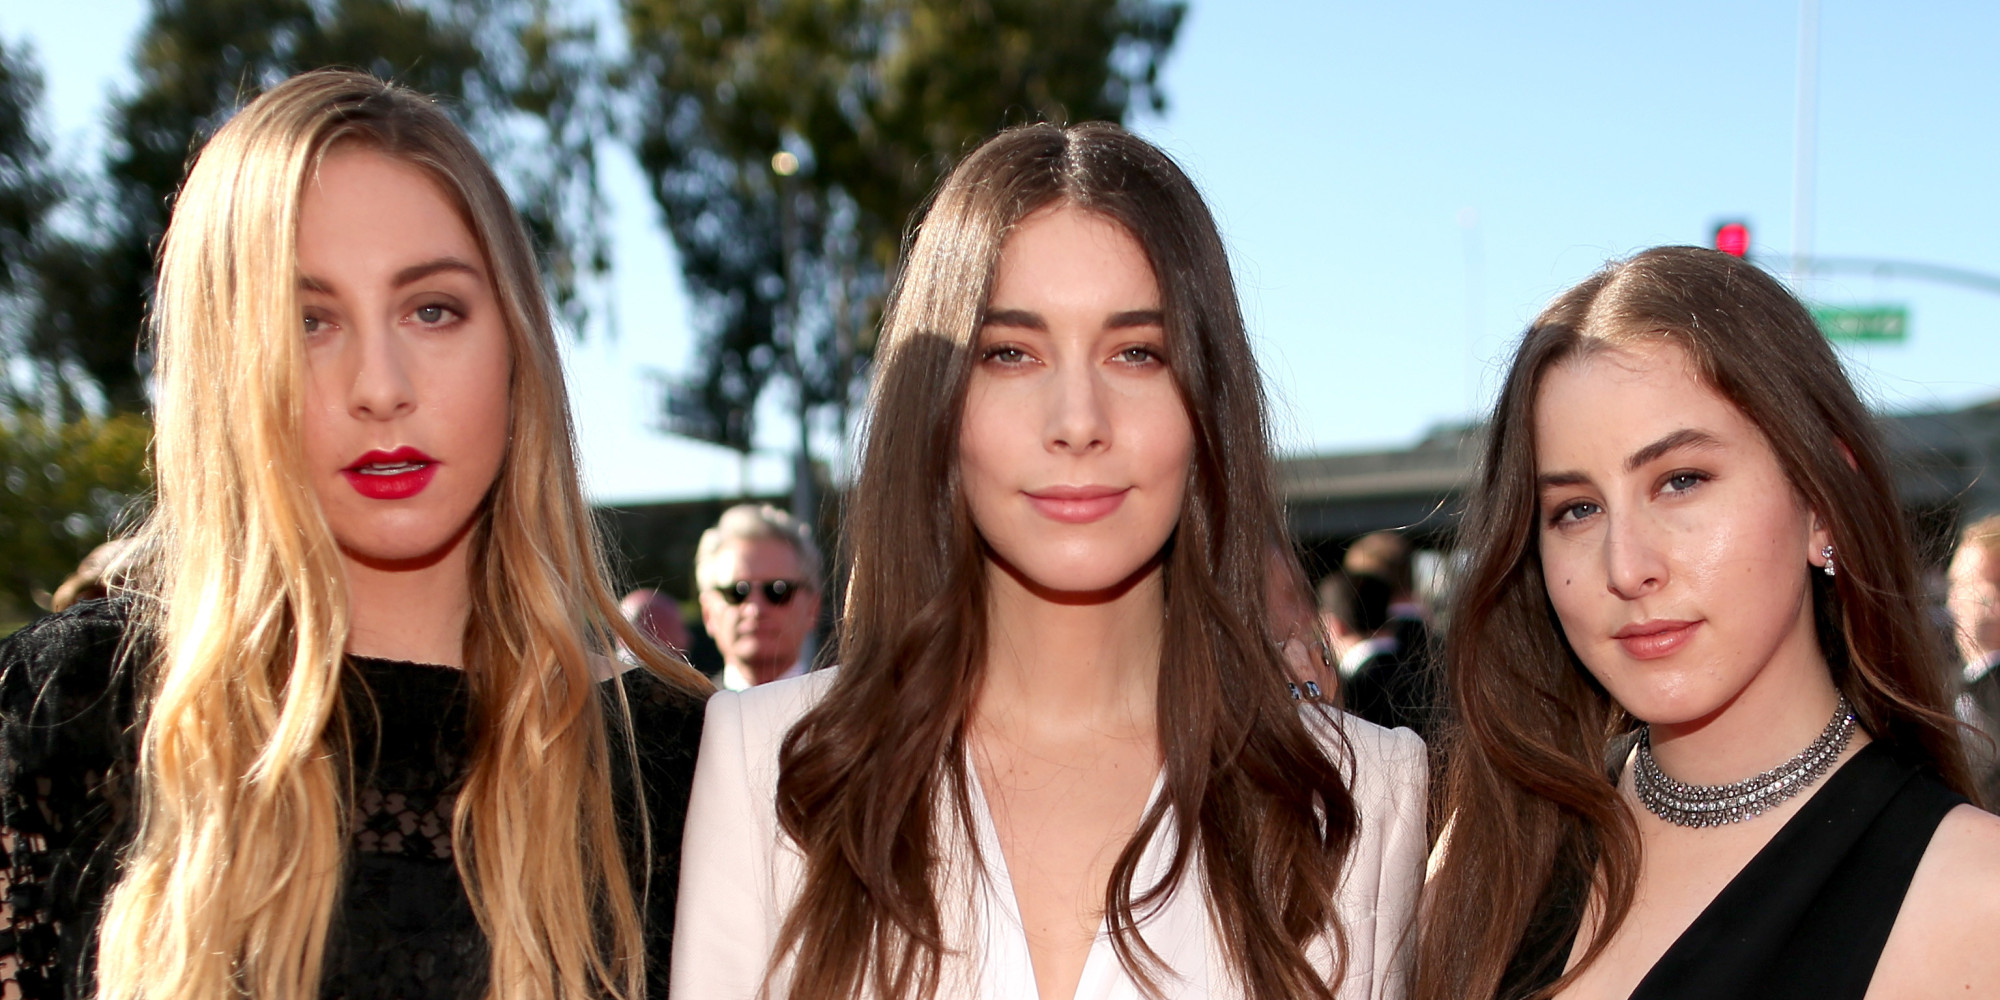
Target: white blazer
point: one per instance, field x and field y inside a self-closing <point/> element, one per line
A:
<point x="740" y="875"/>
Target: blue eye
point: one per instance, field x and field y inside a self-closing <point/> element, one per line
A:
<point x="432" y="315"/>
<point x="1573" y="512"/>
<point x="1681" y="482"/>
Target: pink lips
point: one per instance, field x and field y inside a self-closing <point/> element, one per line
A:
<point x="391" y="475"/>
<point x="1077" y="504"/>
<point x="1650" y="640"/>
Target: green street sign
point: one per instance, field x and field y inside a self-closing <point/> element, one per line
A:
<point x="1871" y="324"/>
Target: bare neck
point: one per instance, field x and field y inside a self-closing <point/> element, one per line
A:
<point x="415" y="611"/>
<point x="1057" y="663"/>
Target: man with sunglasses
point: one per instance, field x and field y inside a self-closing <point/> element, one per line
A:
<point x="759" y="576"/>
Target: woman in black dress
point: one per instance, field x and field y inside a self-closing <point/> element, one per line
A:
<point x="353" y="731"/>
<point x="1703" y="745"/>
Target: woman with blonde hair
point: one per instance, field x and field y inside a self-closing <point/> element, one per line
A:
<point x="1060" y="756"/>
<point x="1703" y="743"/>
<point x="353" y="729"/>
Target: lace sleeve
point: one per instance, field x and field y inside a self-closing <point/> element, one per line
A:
<point x="65" y="768"/>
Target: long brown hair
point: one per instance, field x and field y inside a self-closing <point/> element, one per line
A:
<point x="1528" y="785"/>
<point x="867" y="773"/>
<point x="231" y="885"/>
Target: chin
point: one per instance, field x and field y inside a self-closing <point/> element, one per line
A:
<point x="392" y="549"/>
<point x="1084" y="578"/>
<point x="1668" y="708"/>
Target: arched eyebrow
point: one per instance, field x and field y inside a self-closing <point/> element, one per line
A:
<point x="1020" y="318"/>
<point x="1686" y="437"/>
<point x="1029" y="320"/>
<point x="407" y="276"/>
<point x="418" y="272"/>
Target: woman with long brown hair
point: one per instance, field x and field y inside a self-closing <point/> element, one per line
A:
<point x="1058" y="757"/>
<point x="1703" y="743"/>
<point x="353" y="729"/>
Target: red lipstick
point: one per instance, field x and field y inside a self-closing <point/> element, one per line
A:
<point x="1650" y="640"/>
<point x="1077" y="504"/>
<point x="391" y="475"/>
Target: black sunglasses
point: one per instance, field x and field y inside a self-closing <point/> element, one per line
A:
<point x="778" y="592"/>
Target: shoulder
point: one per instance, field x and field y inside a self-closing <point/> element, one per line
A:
<point x="663" y="713"/>
<point x="1941" y="941"/>
<point x="761" y="716"/>
<point x="1387" y="763"/>
<point x="75" y="654"/>
<point x="753" y="723"/>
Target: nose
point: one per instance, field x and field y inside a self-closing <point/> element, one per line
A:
<point x="382" y="388"/>
<point x="1078" y="418"/>
<point x="1635" y="563"/>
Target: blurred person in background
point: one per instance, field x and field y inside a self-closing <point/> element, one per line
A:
<point x="758" y="572"/>
<point x="1377" y="682"/>
<point x="354" y="728"/>
<point x="1387" y="555"/>
<point x="1973" y="598"/>
<point x="1414" y="682"/>
<point x="657" y="616"/>
<point x="100" y="572"/>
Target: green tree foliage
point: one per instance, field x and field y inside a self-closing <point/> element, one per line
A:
<point x="873" y="100"/>
<point x="63" y="488"/>
<point x="31" y="190"/>
<point x="525" y="83"/>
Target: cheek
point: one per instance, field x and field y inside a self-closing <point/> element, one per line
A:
<point x="1161" y="436"/>
<point x="490" y="397"/>
<point x="1753" y="564"/>
<point x="985" y="449"/>
<point x="1569" y="589"/>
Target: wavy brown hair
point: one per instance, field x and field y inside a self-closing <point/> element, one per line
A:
<point x="244" y="799"/>
<point x="868" y="774"/>
<point x="1529" y="786"/>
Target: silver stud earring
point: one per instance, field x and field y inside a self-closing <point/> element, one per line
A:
<point x="1827" y="554"/>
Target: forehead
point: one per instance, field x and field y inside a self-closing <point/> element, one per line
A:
<point x="755" y="559"/>
<point x="1069" y="255"/>
<point x="1599" y="407"/>
<point x="358" y="196"/>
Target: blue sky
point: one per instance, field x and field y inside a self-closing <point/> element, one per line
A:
<point x="1403" y="185"/>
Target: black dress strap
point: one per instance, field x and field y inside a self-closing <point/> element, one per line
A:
<point x="1808" y="916"/>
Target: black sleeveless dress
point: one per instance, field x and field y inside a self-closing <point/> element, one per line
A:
<point x="1805" y="919"/>
<point x="403" y="926"/>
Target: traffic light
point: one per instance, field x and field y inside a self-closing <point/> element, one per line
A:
<point x="1733" y="238"/>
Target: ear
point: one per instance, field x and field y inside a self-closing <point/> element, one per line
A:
<point x="1818" y="541"/>
<point x="1822" y="535"/>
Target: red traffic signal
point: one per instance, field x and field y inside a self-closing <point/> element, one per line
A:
<point x="1733" y="238"/>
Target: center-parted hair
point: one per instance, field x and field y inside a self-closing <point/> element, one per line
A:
<point x="1529" y="789"/>
<point x="230" y="887"/>
<point x="1261" y="815"/>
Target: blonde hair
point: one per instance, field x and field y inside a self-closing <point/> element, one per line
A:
<point x="231" y="883"/>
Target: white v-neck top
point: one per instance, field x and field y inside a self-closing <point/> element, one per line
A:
<point x="740" y="875"/>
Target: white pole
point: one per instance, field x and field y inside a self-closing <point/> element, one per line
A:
<point x="1805" y="137"/>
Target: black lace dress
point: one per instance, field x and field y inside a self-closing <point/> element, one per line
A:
<point x="68" y="746"/>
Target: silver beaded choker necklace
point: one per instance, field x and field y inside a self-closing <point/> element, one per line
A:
<point x="1714" y="805"/>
